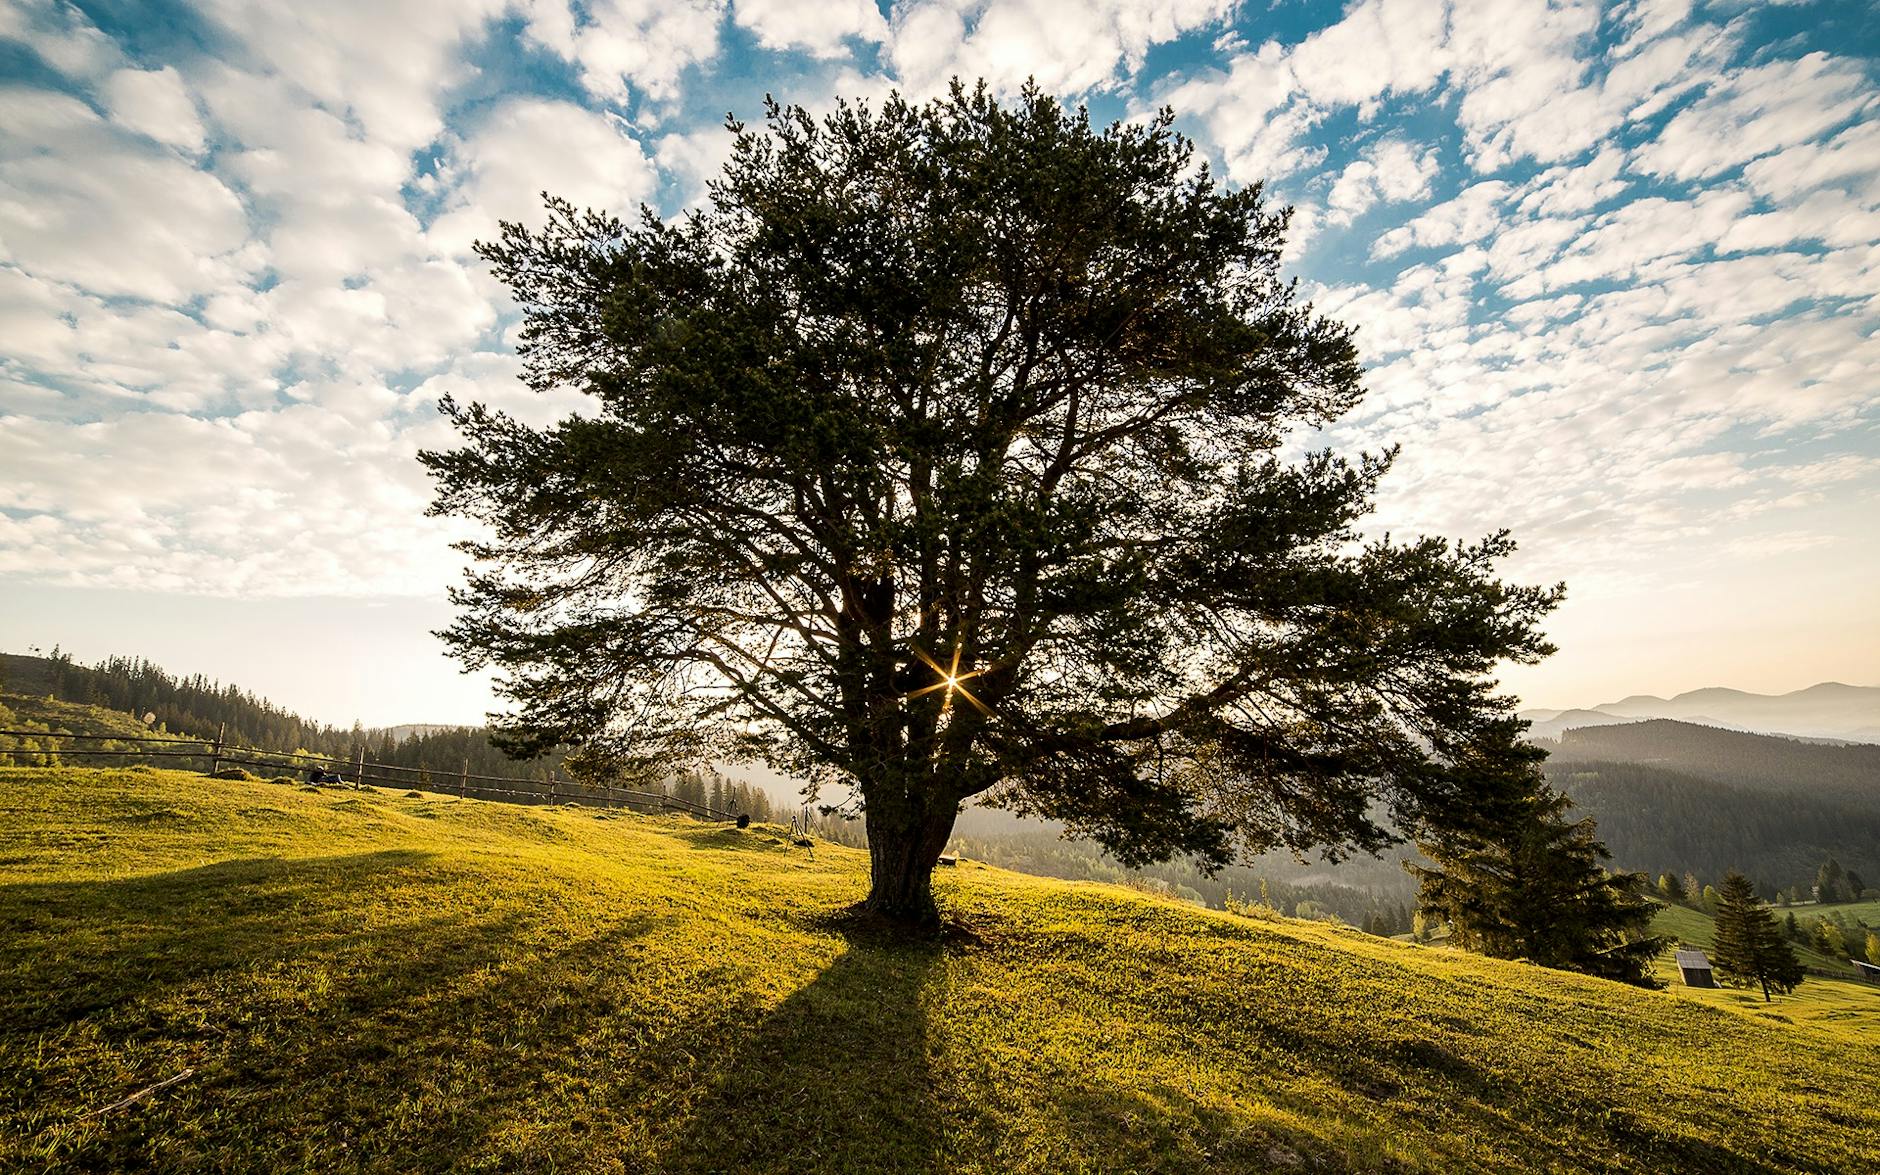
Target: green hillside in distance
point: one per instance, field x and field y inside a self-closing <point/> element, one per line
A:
<point x="1758" y="762"/>
<point x="382" y="981"/>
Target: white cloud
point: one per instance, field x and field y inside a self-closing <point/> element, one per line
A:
<point x="821" y="28"/>
<point x="1760" y="110"/>
<point x="1006" y="42"/>
<point x="1391" y="172"/>
<point x="83" y="203"/>
<point x="1471" y="215"/>
<point x="59" y="35"/>
<point x="526" y="146"/>
<point x="154" y="102"/>
<point x="379" y="64"/>
<point x="623" y="45"/>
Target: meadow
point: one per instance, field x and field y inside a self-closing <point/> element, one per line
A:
<point x="389" y="981"/>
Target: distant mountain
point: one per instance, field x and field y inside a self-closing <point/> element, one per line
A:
<point x="1552" y="723"/>
<point x="1679" y="795"/>
<point x="1828" y="710"/>
<point x="1763" y="763"/>
<point x="1831" y="710"/>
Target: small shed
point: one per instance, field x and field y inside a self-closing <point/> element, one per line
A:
<point x="1695" y="968"/>
<point x="1866" y="971"/>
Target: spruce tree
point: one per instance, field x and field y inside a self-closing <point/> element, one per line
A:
<point x="1748" y="949"/>
<point x="1525" y="881"/>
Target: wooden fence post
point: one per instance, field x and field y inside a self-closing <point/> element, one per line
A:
<point x="463" y="781"/>
<point x="359" y="776"/>
<point x="215" y="761"/>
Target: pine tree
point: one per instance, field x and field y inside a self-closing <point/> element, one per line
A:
<point x="1748" y="949"/>
<point x="1525" y="881"/>
<point x="1830" y="883"/>
<point x="1670" y="888"/>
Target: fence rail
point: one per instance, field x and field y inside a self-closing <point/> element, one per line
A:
<point x="360" y="771"/>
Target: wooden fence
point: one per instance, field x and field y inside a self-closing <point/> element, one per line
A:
<point x="360" y="772"/>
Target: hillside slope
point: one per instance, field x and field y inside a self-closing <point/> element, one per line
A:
<point x="393" y="982"/>
<point x="1755" y="762"/>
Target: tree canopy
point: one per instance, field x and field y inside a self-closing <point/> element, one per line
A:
<point x="962" y="449"/>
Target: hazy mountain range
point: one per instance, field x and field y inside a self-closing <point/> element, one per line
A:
<point x="1849" y="713"/>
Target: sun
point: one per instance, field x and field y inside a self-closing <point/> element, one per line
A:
<point x="951" y="680"/>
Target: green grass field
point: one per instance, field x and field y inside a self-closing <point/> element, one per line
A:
<point x="383" y="982"/>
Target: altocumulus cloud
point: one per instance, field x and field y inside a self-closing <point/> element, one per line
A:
<point x="1614" y="265"/>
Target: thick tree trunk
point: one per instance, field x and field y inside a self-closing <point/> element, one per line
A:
<point x="904" y="842"/>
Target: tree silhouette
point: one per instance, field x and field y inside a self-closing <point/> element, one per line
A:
<point x="944" y="453"/>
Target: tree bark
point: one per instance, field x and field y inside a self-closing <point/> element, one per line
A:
<point x="904" y="843"/>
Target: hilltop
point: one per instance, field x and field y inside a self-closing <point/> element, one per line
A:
<point x="392" y="981"/>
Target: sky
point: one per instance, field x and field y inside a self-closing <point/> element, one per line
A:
<point x="1614" y="269"/>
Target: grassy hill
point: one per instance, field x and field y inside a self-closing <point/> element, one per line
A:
<point x="391" y="982"/>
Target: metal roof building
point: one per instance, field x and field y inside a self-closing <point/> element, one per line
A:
<point x="1695" y="969"/>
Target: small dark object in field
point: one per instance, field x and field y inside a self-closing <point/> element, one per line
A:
<point x="804" y="842"/>
<point x="414" y="795"/>
<point x="744" y="819"/>
<point x="233" y="773"/>
<point x="946" y="859"/>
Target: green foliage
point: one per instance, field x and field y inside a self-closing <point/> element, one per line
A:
<point x="1519" y="880"/>
<point x="942" y="453"/>
<point x="1749" y="949"/>
<point x="369" y="982"/>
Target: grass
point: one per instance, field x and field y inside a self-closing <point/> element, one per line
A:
<point x="382" y="982"/>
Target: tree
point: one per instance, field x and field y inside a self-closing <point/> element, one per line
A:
<point x="1873" y="947"/>
<point x="940" y="454"/>
<point x="1830" y="883"/>
<point x="1748" y="948"/>
<point x="1670" y="888"/>
<point x="1519" y="879"/>
<point x="1828" y="938"/>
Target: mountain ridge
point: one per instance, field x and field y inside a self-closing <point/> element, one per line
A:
<point x="1826" y="710"/>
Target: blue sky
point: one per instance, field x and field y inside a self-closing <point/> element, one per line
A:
<point x="1614" y="268"/>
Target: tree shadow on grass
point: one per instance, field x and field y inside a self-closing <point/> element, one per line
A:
<point x="311" y="1023"/>
<point x="837" y="1078"/>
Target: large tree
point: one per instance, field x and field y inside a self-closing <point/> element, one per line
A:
<point x="1748" y="948"/>
<point x="957" y="450"/>
<point x="1517" y="877"/>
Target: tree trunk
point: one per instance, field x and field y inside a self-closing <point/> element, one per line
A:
<point x="904" y="843"/>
